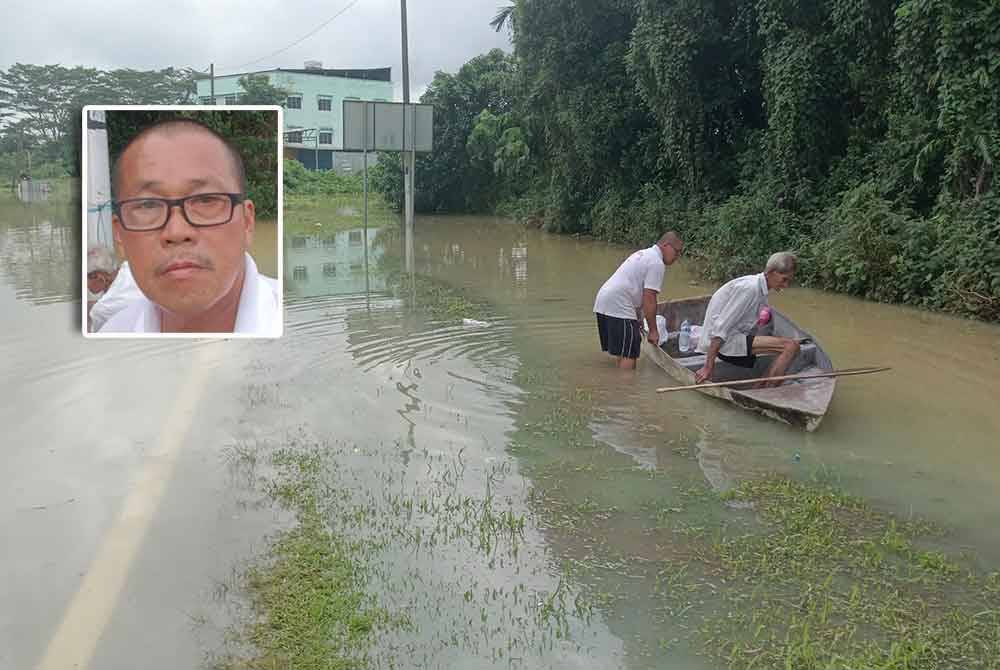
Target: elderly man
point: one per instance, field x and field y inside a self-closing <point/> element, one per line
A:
<point x="101" y="270"/>
<point x="183" y="219"/>
<point x="634" y="287"/>
<point x="733" y="314"/>
<point x="117" y="297"/>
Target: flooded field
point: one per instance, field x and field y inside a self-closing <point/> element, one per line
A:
<point x="504" y="496"/>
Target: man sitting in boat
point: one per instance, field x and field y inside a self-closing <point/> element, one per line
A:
<point x="634" y="287"/>
<point x="732" y="317"/>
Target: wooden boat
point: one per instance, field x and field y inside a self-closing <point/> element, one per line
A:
<point x="801" y="403"/>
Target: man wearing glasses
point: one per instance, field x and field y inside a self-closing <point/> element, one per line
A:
<point x="634" y="287"/>
<point x="183" y="219"/>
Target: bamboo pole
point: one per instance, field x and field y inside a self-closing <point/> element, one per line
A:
<point x="741" y="382"/>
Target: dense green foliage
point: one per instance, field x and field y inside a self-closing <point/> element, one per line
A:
<point x="40" y="107"/>
<point x="253" y="134"/>
<point x="862" y="134"/>
<point x="301" y="181"/>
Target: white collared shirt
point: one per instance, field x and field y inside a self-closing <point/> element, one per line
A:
<point x="732" y="313"/>
<point x="258" y="313"/>
<point x="621" y="294"/>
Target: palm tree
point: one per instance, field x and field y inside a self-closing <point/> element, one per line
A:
<point x="504" y="17"/>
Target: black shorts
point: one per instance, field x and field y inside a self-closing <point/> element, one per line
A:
<point x="619" y="337"/>
<point x="747" y="361"/>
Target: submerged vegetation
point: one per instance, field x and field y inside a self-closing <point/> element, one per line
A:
<point x="325" y="202"/>
<point x="310" y="607"/>
<point x="819" y="579"/>
<point x="779" y="572"/>
<point x="416" y="553"/>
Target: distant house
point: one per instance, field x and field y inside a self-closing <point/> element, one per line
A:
<point x="314" y="131"/>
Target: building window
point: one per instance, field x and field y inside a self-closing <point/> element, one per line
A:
<point x="293" y="102"/>
<point x="354" y="238"/>
<point x="231" y="99"/>
<point x="298" y="243"/>
<point x="326" y="136"/>
<point x="325" y="103"/>
<point x="205" y="99"/>
<point x="329" y="269"/>
<point x="300" y="273"/>
<point x="293" y="137"/>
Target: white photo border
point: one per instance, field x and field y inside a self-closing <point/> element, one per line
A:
<point x="280" y="219"/>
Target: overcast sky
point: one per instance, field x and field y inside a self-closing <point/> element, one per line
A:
<point x="443" y="34"/>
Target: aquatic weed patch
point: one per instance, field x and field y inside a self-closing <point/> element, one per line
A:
<point x="311" y="610"/>
<point x="436" y="298"/>
<point x="818" y="579"/>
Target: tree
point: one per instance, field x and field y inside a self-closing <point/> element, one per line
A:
<point x="46" y="101"/>
<point x="448" y="181"/>
<point x="258" y="90"/>
<point x="505" y="17"/>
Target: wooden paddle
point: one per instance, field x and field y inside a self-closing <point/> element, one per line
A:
<point x="741" y="382"/>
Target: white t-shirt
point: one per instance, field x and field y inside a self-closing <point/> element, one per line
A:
<point x="122" y="291"/>
<point x="621" y="294"/>
<point x="732" y="313"/>
<point x="259" y="311"/>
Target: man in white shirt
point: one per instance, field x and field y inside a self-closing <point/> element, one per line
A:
<point x="119" y="295"/>
<point x="183" y="219"/>
<point x="733" y="314"/>
<point x="102" y="271"/>
<point x="634" y="287"/>
<point x="258" y="312"/>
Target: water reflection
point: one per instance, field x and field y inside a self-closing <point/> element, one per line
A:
<point x="30" y="191"/>
<point x="40" y="251"/>
<point x="333" y="264"/>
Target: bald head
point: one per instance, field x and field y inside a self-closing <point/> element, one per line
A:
<point x="671" y="246"/>
<point x="673" y="239"/>
<point x="173" y="126"/>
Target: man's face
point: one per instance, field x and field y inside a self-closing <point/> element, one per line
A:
<point x="184" y="269"/>
<point x="98" y="281"/>
<point x="670" y="252"/>
<point x="777" y="281"/>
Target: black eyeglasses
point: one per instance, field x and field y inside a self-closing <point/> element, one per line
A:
<point x="201" y="210"/>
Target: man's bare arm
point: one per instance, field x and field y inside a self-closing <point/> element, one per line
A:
<point x="649" y="311"/>
<point x="705" y="373"/>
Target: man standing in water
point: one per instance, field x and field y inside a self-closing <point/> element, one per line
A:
<point x="732" y="317"/>
<point x="634" y="287"/>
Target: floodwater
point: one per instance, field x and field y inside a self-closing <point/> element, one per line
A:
<point x="124" y="522"/>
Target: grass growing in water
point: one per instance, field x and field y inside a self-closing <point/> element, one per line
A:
<point x="309" y="214"/>
<point x="827" y="582"/>
<point x="308" y="596"/>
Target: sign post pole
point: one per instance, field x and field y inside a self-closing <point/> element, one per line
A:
<point x="364" y="125"/>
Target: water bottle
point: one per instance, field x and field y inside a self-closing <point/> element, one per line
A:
<point x="684" y="340"/>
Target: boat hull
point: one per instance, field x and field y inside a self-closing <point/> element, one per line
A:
<point x="800" y="403"/>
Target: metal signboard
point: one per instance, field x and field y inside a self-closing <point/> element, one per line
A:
<point x="391" y="126"/>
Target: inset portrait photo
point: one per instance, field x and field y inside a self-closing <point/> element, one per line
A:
<point x="182" y="221"/>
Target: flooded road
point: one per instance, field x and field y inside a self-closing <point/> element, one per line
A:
<point x="508" y="482"/>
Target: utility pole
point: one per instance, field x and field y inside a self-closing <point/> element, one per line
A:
<point x="408" y="156"/>
<point x="211" y="77"/>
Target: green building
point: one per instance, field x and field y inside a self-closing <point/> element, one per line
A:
<point x="314" y="131"/>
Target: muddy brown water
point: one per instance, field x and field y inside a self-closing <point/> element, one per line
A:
<point x="525" y="414"/>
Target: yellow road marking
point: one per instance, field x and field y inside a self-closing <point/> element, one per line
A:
<point x="87" y="616"/>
